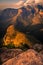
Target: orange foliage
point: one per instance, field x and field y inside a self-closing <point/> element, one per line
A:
<point x="15" y="37"/>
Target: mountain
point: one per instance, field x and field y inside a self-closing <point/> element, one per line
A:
<point x="22" y="28"/>
<point x="8" y="13"/>
<point x="26" y="19"/>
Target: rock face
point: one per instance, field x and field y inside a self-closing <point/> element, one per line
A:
<point x="38" y="47"/>
<point x="29" y="57"/>
<point x="9" y="53"/>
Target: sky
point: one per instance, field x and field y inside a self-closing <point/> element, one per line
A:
<point x="15" y="3"/>
<point x="10" y="3"/>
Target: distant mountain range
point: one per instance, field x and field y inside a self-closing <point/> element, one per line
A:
<point x="10" y="12"/>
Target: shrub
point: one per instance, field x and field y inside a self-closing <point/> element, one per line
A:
<point x="10" y="45"/>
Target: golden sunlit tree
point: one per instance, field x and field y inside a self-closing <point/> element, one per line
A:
<point x="15" y="37"/>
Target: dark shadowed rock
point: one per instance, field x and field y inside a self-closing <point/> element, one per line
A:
<point x="41" y="54"/>
<point x="9" y="53"/>
<point x="38" y="47"/>
<point x="29" y="57"/>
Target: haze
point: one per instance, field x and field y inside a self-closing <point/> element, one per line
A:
<point x="15" y="3"/>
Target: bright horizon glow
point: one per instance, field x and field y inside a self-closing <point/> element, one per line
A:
<point x="11" y="4"/>
<point x="16" y="3"/>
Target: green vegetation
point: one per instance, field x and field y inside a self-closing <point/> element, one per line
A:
<point x="23" y="46"/>
<point x="10" y="46"/>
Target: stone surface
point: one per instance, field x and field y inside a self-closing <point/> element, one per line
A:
<point x="9" y="53"/>
<point x="38" y="47"/>
<point x="29" y="57"/>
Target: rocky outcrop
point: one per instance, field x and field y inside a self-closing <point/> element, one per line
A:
<point x="38" y="47"/>
<point x="29" y="57"/>
<point x="9" y="53"/>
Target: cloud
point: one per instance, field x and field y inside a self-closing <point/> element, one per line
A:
<point x="38" y="1"/>
<point x="20" y="3"/>
<point x="29" y="2"/>
<point x="11" y="5"/>
<point x="32" y="2"/>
